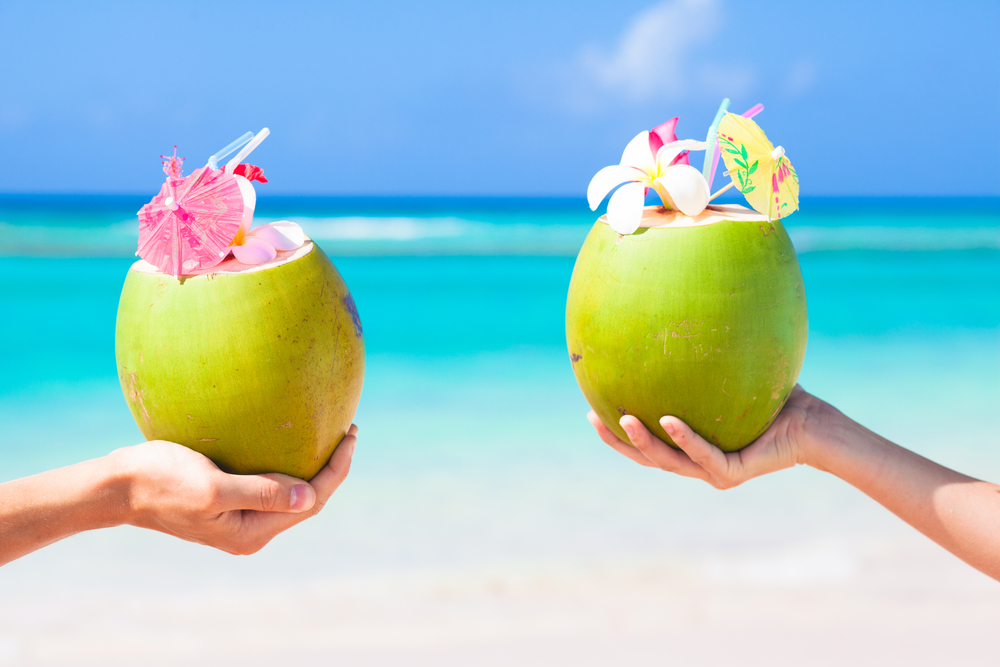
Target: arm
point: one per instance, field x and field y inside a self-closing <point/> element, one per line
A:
<point x="166" y="487"/>
<point x="958" y="512"/>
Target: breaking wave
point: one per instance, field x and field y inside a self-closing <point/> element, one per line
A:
<point x="449" y="235"/>
<point x="813" y="239"/>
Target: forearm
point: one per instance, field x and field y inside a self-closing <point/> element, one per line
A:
<point x="42" y="509"/>
<point x="960" y="513"/>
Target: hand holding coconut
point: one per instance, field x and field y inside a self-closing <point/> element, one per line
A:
<point x="175" y="490"/>
<point x="166" y="487"/>
<point x="783" y="445"/>
<point x="958" y="512"/>
<point x="686" y="326"/>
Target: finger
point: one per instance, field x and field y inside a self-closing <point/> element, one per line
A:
<point x="660" y="453"/>
<point x="698" y="450"/>
<point x="258" y="528"/>
<point x="609" y="438"/>
<point x="353" y="430"/>
<point x="335" y="472"/>
<point x="273" y="492"/>
<point x="603" y="432"/>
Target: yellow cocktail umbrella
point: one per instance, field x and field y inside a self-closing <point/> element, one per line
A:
<point x="762" y="172"/>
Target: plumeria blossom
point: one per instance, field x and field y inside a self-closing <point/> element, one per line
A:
<point x="261" y="244"/>
<point x="680" y="186"/>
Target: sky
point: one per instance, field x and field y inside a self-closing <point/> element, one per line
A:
<point x="514" y="98"/>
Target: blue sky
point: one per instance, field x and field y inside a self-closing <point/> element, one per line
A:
<point x="516" y="98"/>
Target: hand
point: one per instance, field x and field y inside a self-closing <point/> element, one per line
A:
<point x="178" y="491"/>
<point x="783" y="445"/>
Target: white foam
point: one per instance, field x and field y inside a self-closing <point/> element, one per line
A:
<point x="812" y="239"/>
<point x="358" y="228"/>
<point x="377" y="236"/>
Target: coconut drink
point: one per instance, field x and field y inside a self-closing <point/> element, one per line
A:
<point x="690" y="309"/>
<point x="241" y="343"/>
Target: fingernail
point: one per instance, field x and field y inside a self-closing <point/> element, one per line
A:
<point x="354" y="445"/>
<point x="629" y="430"/>
<point x="669" y="427"/>
<point x="299" y="496"/>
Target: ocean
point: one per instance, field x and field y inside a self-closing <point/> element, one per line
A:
<point x="483" y="521"/>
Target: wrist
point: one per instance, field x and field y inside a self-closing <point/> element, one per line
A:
<point x="824" y="432"/>
<point x="116" y="484"/>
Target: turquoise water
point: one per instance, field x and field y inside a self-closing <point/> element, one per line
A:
<point x="466" y="296"/>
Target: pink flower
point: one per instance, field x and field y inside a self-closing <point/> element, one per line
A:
<point x="261" y="244"/>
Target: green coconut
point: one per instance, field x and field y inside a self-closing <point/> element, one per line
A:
<point x="258" y="368"/>
<point x="702" y="318"/>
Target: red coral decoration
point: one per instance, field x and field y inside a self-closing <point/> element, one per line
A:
<point x="250" y="172"/>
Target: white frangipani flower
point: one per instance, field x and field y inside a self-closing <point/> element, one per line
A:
<point x="680" y="186"/>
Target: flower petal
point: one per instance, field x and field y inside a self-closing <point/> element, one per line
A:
<point x="687" y="187"/>
<point x="283" y="235"/>
<point x="662" y="134"/>
<point x="638" y="155"/>
<point x="608" y="179"/>
<point x="625" y="208"/>
<point x="249" y="202"/>
<point x="683" y="158"/>
<point x="668" y="152"/>
<point x="254" y="251"/>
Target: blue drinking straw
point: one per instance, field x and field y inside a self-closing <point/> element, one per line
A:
<point x="712" y="139"/>
<point x="213" y="161"/>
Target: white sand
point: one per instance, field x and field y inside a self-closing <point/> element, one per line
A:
<point x="565" y="588"/>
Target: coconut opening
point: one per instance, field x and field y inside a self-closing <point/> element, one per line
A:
<point x="658" y="216"/>
<point x="233" y="265"/>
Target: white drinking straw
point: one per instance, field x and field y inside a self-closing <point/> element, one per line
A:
<point x="731" y="184"/>
<point x="213" y="161"/>
<point x="261" y="136"/>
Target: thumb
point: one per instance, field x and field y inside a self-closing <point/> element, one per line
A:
<point x="273" y="492"/>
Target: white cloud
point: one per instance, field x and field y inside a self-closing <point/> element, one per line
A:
<point x="652" y="59"/>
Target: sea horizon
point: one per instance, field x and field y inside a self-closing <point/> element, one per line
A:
<point x="90" y="225"/>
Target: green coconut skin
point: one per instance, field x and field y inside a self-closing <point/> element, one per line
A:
<point x="260" y="371"/>
<point x="706" y="323"/>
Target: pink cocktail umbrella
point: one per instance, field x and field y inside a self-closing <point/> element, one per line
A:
<point x="191" y="222"/>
